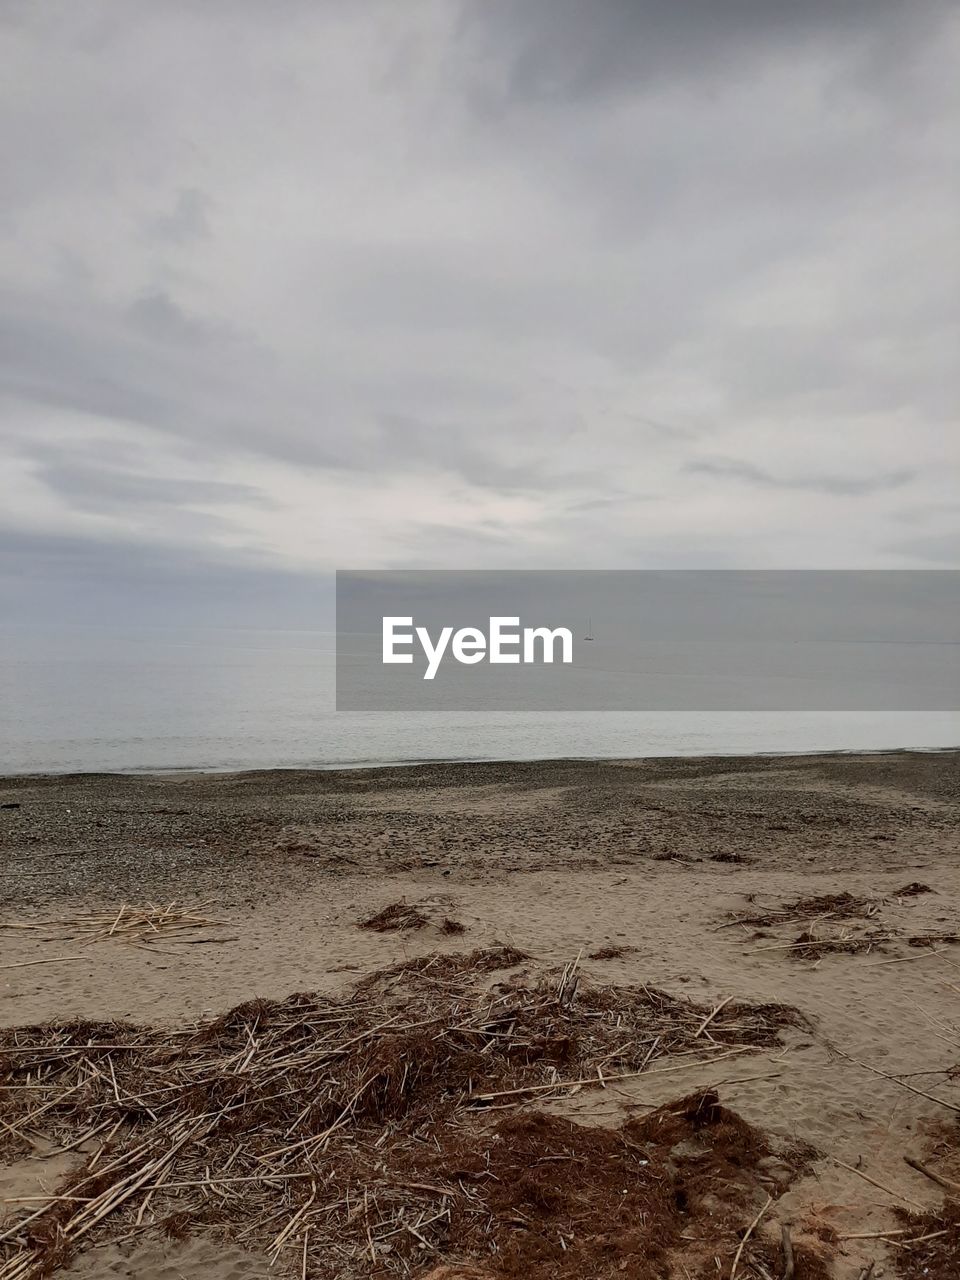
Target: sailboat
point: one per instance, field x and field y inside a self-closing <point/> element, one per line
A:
<point x="589" y="635"/>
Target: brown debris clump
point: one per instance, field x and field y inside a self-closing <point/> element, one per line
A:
<point x="397" y="917"/>
<point x="403" y="916"/>
<point x="358" y="1129"/>
<point x="613" y="952"/>
<point x="932" y="1250"/>
<point x="810" y="946"/>
<point x="928" y="1244"/>
<point x="836" y="924"/>
<point x="913" y="890"/>
<point x="829" y="906"/>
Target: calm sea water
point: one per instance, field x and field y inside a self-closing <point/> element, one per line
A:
<point x="88" y="699"/>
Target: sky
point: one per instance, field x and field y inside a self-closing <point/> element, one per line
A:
<point x="470" y="284"/>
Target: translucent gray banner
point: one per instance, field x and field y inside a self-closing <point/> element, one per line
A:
<point x="624" y="640"/>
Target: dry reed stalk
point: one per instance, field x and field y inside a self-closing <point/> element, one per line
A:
<point x="897" y="1195"/>
<point x="135" y="925"/>
<point x="746" y="1236"/>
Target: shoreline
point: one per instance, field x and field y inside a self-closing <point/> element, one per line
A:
<point x="213" y="771"/>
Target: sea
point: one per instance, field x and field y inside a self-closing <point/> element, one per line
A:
<point x="90" y="699"/>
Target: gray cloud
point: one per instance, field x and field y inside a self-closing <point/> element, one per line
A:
<point x="562" y="49"/>
<point x="936" y="548"/>
<point x="91" y="581"/>
<point x="186" y="221"/>
<point x="156" y="316"/>
<point x="842" y="486"/>
<point x="98" y="489"/>
<point x="555" y="283"/>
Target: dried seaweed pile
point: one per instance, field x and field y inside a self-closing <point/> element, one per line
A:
<point x="812" y="945"/>
<point x="859" y="931"/>
<point x="860" y="928"/>
<point x="928" y="1244"/>
<point x="829" y="906"/>
<point x="928" y="1247"/>
<point x="403" y="916"/>
<point x="363" y="1136"/>
<point x="613" y="952"/>
<point x="913" y="890"/>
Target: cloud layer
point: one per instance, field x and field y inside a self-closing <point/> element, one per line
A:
<point x="470" y="283"/>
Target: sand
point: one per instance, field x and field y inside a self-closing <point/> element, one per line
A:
<point x="654" y="859"/>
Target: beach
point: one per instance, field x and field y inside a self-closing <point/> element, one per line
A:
<point x="824" y="885"/>
<point x="479" y="643"/>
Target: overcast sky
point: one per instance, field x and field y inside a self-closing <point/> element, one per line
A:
<point x="471" y="283"/>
